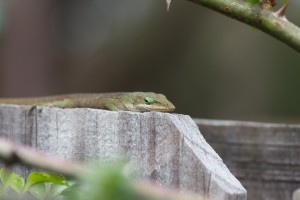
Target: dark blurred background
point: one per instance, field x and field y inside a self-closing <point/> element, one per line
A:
<point x="209" y="65"/>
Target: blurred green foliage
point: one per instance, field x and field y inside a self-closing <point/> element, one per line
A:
<point x="104" y="183"/>
<point x="39" y="185"/>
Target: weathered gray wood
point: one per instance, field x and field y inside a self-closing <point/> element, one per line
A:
<point x="264" y="157"/>
<point x="168" y="148"/>
<point x="296" y="194"/>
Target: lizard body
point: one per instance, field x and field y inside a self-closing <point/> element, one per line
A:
<point x="126" y="101"/>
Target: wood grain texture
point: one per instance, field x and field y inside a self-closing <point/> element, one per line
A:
<point x="264" y="157"/>
<point x="166" y="148"/>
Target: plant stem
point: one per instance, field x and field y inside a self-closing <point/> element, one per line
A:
<point x="256" y="16"/>
<point x="10" y="153"/>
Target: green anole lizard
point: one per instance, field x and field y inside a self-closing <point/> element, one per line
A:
<point x="125" y="101"/>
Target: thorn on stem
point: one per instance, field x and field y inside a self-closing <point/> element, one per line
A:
<point x="281" y="12"/>
<point x="168" y="4"/>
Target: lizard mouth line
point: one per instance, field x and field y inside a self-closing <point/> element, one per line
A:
<point x="147" y="108"/>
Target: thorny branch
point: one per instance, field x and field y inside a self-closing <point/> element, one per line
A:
<point x="259" y="15"/>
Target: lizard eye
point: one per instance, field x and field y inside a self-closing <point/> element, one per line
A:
<point x="148" y="100"/>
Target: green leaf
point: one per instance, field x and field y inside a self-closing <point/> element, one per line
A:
<point x="2" y="185"/>
<point x="16" y="182"/>
<point x="44" y="177"/>
<point x="38" y="190"/>
<point x="56" y="190"/>
<point x="49" y="190"/>
<point x="285" y="1"/>
<point x="73" y="192"/>
<point x="11" y="194"/>
<point x="253" y="1"/>
<point x="11" y="179"/>
<point x="109" y="182"/>
<point x="4" y="176"/>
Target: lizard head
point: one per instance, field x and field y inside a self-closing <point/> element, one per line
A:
<point x="146" y="101"/>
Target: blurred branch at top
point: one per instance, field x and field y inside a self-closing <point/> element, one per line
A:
<point x="260" y="16"/>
